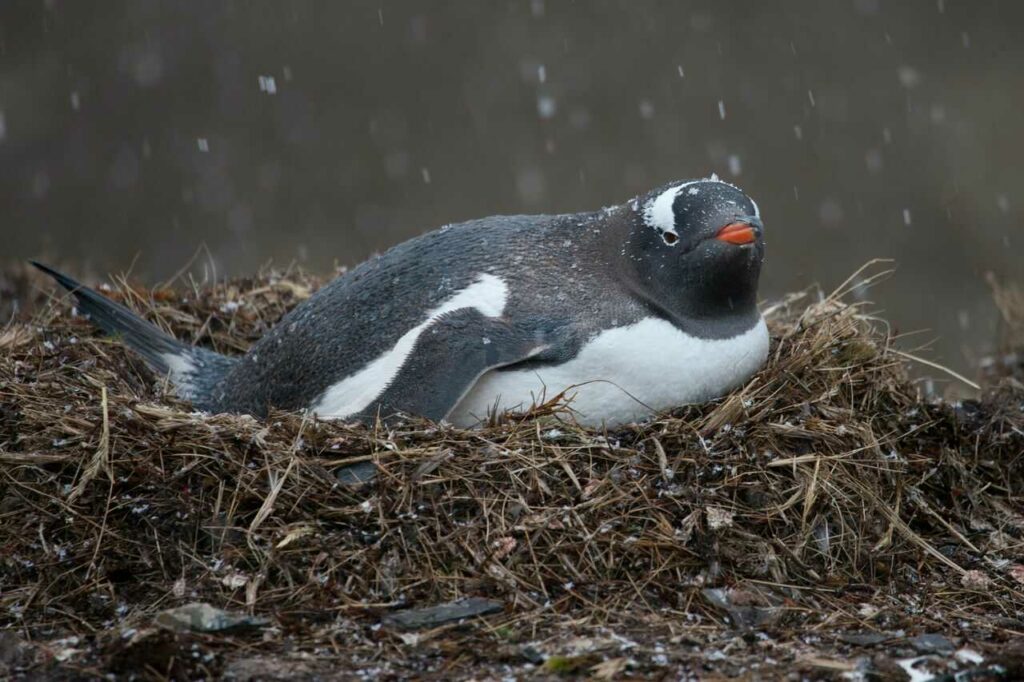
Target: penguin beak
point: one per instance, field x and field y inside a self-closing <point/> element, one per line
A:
<point x="739" y="233"/>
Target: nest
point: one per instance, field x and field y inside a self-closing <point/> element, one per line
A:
<point x="825" y="480"/>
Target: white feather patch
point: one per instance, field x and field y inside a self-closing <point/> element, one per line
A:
<point x="625" y="374"/>
<point x="182" y="369"/>
<point x="355" y="393"/>
<point x="658" y="212"/>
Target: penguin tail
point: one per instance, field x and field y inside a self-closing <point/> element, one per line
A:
<point x="194" y="372"/>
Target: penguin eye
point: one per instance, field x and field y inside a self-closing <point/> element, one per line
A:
<point x="669" y="237"/>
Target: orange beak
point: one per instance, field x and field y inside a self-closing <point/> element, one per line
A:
<point x="737" y="233"/>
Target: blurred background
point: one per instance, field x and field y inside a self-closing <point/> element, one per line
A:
<point x="134" y="131"/>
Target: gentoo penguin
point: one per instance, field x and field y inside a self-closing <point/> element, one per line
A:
<point x="634" y="309"/>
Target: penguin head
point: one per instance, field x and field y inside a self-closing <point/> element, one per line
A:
<point x="696" y="248"/>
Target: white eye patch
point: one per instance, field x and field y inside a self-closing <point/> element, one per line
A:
<point x="658" y="212"/>
<point x="659" y="215"/>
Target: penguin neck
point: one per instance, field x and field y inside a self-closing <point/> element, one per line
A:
<point x="715" y="308"/>
<point x="704" y="314"/>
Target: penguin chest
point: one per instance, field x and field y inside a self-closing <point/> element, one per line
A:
<point x="626" y="373"/>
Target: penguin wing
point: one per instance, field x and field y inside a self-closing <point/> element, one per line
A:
<point x="453" y="354"/>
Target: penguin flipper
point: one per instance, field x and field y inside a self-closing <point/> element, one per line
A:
<point x="193" y="371"/>
<point x="451" y="356"/>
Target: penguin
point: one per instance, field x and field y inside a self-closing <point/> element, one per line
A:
<point x="627" y="311"/>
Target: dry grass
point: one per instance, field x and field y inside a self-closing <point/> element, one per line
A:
<point x="1008" y="359"/>
<point x="826" y="483"/>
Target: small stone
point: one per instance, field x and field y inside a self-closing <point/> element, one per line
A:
<point x="718" y="518"/>
<point x="932" y="644"/>
<point x="357" y="474"/>
<point x="202" y="617"/>
<point x="864" y="638"/>
<point x="748" y="610"/>
<point x="975" y="580"/>
<point x="432" y="616"/>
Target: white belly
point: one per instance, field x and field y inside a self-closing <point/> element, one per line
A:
<point x="625" y="374"/>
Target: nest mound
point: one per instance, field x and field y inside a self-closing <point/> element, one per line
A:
<point x="825" y="483"/>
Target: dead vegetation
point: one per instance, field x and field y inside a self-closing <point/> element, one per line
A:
<point x="825" y="497"/>
<point x="1008" y="359"/>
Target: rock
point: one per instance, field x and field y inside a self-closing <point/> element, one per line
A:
<point x="932" y="644"/>
<point x="202" y="617"/>
<point x="718" y="518"/>
<point x="865" y="638"/>
<point x="357" y="474"/>
<point x="975" y="580"/>
<point x="747" y="609"/>
<point x="432" y="616"/>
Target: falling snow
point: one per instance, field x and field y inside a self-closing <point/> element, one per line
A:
<point x="735" y="165"/>
<point x="909" y="77"/>
<point x="268" y="85"/>
<point x="873" y="160"/>
<point x="546" y="106"/>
